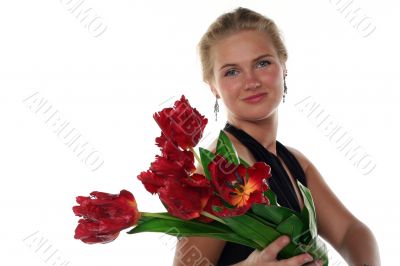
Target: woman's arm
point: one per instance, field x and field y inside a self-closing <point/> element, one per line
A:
<point x="359" y="246"/>
<point x="198" y="251"/>
<point x="336" y="224"/>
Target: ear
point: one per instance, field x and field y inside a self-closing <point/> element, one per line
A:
<point x="213" y="89"/>
<point x="284" y="69"/>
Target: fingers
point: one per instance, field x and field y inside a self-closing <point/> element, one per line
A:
<point x="298" y="260"/>
<point x="271" y="251"/>
<point x="315" y="263"/>
<point x="270" y="254"/>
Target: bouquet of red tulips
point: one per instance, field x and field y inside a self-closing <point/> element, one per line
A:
<point x="231" y="201"/>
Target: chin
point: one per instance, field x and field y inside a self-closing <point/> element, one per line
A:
<point x="256" y="116"/>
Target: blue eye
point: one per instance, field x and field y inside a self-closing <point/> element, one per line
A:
<point x="229" y="72"/>
<point x="264" y="63"/>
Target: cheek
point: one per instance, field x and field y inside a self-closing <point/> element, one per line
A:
<point x="230" y="87"/>
<point x="230" y="93"/>
<point x="273" y="77"/>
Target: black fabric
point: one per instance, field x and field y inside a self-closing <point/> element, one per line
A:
<point x="279" y="182"/>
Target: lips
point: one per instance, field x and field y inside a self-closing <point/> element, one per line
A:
<point x="255" y="96"/>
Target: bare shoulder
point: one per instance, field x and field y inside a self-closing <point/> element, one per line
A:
<point x="301" y="158"/>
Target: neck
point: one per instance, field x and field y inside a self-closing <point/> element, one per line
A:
<point x="264" y="131"/>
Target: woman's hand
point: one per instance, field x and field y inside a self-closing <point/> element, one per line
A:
<point x="267" y="256"/>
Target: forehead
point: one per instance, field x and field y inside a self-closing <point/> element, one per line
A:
<point x="242" y="47"/>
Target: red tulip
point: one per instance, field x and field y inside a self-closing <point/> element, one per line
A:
<point x="218" y="207"/>
<point x="181" y="124"/>
<point x="237" y="185"/>
<point x="173" y="153"/>
<point x="183" y="192"/>
<point x="162" y="169"/>
<point x="196" y="180"/>
<point x="187" y="197"/>
<point x="173" y="163"/>
<point x="104" y="216"/>
<point x="151" y="181"/>
<point x="184" y="196"/>
<point x="168" y="168"/>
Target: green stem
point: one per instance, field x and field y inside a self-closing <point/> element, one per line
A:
<point x="209" y="215"/>
<point x="158" y="215"/>
<point x="167" y="216"/>
<point x="195" y="155"/>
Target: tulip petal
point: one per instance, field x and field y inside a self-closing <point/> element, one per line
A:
<point x="104" y="216"/>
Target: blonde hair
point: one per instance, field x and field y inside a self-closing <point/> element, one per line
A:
<point x="234" y="22"/>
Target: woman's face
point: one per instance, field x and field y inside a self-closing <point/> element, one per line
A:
<point x="247" y="64"/>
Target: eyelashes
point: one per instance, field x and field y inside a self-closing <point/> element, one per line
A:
<point x="229" y="72"/>
<point x="262" y="63"/>
<point x="265" y="61"/>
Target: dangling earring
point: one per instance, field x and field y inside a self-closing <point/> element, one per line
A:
<point x="284" y="86"/>
<point x="216" y="107"/>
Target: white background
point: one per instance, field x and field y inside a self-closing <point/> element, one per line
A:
<point x="108" y="87"/>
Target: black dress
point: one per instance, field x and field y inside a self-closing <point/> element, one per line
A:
<point x="279" y="182"/>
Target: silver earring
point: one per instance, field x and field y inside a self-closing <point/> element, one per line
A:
<point x="284" y="86"/>
<point x="216" y="107"/>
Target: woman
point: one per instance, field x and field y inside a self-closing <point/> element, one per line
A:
<point x="243" y="59"/>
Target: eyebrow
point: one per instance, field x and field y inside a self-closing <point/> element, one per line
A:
<point x="255" y="59"/>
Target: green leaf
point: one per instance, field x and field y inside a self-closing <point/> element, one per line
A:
<point x="206" y="157"/>
<point x="182" y="228"/>
<point x="216" y="208"/>
<point x="164" y="217"/>
<point x="271" y="196"/>
<point x="308" y="212"/>
<point x="292" y="226"/>
<point x="316" y="248"/>
<point x="225" y="148"/>
<point x="252" y="229"/>
<point x="246" y="164"/>
<point x="274" y="214"/>
<point x="260" y="219"/>
<point x="262" y="234"/>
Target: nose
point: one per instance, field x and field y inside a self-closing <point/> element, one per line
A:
<point x="252" y="82"/>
